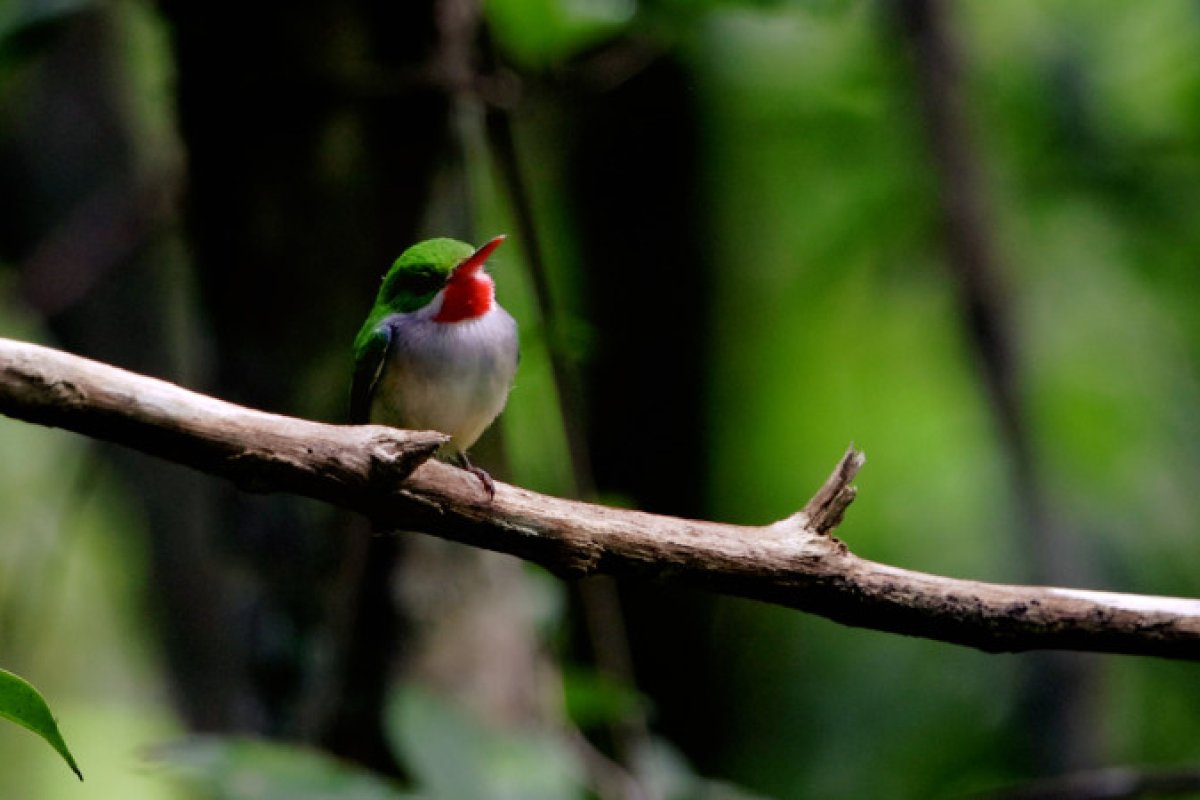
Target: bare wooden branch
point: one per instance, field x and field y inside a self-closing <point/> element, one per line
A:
<point x="385" y="473"/>
<point x="257" y="451"/>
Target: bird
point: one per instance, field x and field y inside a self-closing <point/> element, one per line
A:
<point x="437" y="352"/>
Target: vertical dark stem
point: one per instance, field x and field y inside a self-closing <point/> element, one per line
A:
<point x="566" y="380"/>
<point x="971" y="253"/>
<point x="370" y="644"/>
<point x="600" y="602"/>
<point x="1060" y="706"/>
<point x="634" y="156"/>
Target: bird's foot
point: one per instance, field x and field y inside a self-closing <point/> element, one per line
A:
<point x="489" y="485"/>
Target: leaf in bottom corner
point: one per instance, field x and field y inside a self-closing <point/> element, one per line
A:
<point x="24" y="705"/>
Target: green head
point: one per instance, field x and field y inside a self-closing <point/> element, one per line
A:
<point x="419" y="273"/>
<point x="427" y="268"/>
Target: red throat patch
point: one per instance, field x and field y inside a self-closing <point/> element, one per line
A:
<point x="466" y="297"/>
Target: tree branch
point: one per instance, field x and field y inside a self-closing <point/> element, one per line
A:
<point x="386" y="474"/>
<point x="259" y="452"/>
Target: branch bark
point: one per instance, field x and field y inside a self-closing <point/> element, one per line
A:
<point x="387" y="475"/>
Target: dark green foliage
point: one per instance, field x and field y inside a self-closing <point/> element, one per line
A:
<point x="745" y="254"/>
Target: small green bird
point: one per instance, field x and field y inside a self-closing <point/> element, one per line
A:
<point x="437" y="352"/>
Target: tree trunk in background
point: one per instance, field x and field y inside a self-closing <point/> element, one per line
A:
<point x="311" y="141"/>
<point x="634" y="172"/>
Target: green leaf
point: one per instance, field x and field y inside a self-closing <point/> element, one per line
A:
<point x="539" y="33"/>
<point x="594" y="699"/>
<point x="22" y="704"/>
<point x="451" y="754"/>
<point x="238" y="768"/>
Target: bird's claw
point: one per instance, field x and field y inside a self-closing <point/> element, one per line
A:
<point x="489" y="485"/>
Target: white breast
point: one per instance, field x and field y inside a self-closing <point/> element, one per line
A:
<point x="451" y="377"/>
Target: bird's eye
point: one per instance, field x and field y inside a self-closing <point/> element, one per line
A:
<point x="424" y="282"/>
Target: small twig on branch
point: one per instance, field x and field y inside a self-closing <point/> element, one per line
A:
<point x="795" y="563"/>
<point x="824" y="511"/>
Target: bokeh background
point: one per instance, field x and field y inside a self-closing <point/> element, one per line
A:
<point x="742" y="235"/>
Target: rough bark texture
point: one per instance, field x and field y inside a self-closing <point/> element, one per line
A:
<point x="793" y="562"/>
<point x="256" y="450"/>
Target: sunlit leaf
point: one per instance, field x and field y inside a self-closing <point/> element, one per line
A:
<point x="25" y="706"/>
<point x="538" y="33"/>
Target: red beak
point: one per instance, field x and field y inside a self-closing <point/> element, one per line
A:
<point x="477" y="259"/>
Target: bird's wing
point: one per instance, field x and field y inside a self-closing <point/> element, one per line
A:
<point x="370" y="354"/>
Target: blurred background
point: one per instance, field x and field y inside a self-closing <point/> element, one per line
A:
<point x="742" y="235"/>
